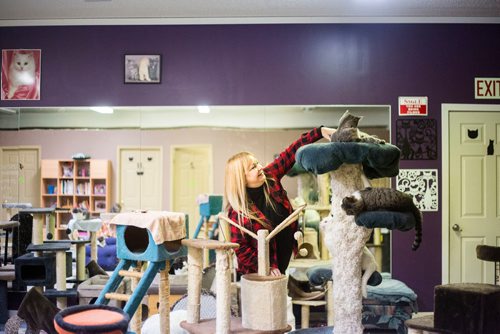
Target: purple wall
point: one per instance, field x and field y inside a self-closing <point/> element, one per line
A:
<point x="277" y="64"/>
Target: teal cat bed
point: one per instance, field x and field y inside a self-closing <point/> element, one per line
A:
<point x="378" y="160"/>
<point x="135" y="243"/>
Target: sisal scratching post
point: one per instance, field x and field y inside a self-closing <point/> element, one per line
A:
<point x="195" y="263"/>
<point x="223" y="284"/>
<point x="345" y="241"/>
<point x="61" y="277"/>
<point x="164" y="299"/>
<point x="136" y="321"/>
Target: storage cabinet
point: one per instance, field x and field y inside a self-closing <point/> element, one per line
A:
<point x="69" y="184"/>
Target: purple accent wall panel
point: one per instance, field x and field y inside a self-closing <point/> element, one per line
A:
<point x="277" y="64"/>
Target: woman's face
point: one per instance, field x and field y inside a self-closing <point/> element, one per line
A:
<point x="255" y="175"/>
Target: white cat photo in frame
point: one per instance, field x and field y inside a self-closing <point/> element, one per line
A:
<point x="142" y="69"/>
<point x="21" y="73"/>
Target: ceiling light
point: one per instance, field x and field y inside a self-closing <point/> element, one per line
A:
<point x="102" y="110"/>
<point x="204" y="109"/>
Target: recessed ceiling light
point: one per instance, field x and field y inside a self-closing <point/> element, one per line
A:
<point x="102" y="110"/>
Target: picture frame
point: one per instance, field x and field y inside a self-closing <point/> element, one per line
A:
<point x="21" y="74"/>
<point x="142" y="68"/>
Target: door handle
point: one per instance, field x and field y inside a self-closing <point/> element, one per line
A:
<point x="456" y="228"/>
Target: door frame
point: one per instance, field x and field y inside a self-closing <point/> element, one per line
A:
<point x="119" y="149"/>
<point x="205" y="147"/>
<point x="446" y="109"/>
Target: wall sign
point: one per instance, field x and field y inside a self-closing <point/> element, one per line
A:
<point x="413" y="106"/>
<point x="417" y="138"/>
<point x="487" y="88"/>
<point x="422" y="184"/>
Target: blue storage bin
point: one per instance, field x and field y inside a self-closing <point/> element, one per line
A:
<point x="212" y="207"/>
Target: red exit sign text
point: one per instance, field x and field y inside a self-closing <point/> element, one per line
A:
<point x="487" y="88"/>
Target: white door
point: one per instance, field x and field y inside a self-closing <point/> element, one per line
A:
<point x="191" y="176"/>
<point x="151" y="182"/>
<point x="20" y="176"/>
<point x="474" y="188"/>
<point x="140" y="179"/>
<point x="129" y="182"/>
<point x="29" y="176"/>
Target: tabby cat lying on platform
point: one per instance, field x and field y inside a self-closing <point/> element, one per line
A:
<point x="387" y="199"/>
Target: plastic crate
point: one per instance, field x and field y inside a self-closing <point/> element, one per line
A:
<point x="212" y="207"/>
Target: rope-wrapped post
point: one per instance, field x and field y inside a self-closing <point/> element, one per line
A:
<point x="61" y="277"/>
<point x="136" y="321"/>
<point x="223" y="284"/>
<point x="263" y="252"/>
<point x="37" y="232"/>
<point x="195" y="263"/>
<point x="164" y="299"/>
<point x="93" y="246"/>
<point x="80" y="260"/>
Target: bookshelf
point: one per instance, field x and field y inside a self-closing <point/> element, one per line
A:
<point x="69" y="184"/>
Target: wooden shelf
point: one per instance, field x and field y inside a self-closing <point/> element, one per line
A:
<point x="75" y="183"/>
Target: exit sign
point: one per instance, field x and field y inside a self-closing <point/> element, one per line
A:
<point x="413" y="106"/>
<point x="487" y="88"/>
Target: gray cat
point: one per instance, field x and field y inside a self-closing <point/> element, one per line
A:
<point x="388" y="199"/>
<point x="348" y="131"/>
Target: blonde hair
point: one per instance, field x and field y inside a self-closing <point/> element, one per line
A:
<point x="235" y="192"/>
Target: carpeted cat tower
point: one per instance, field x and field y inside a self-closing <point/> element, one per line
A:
<point x="350" y="165"/>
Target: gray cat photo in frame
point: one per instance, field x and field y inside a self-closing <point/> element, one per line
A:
<point x="142" y="69"/>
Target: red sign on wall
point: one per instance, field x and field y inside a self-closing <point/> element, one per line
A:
<point x="413" y="106"/>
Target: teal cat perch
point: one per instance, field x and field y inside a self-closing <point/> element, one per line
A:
<point x="145" y="237"/>
<point x="350" y="165"/>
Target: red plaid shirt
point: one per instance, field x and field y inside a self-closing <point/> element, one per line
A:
<point x="247" y="252"/>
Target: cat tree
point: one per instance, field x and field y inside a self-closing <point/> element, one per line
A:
<point x="347" y="163"/>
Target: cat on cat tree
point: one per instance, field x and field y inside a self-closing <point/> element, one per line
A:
<point x="352" y="159"/>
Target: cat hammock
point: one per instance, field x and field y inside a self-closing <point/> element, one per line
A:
<point x="349" y="164"/>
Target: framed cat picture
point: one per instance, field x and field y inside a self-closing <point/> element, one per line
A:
<point x="21" y="73"/>
<point x="143" y="69"/>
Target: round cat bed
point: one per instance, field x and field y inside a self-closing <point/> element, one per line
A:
<point x="392" y="220"/>
<point x="378" y="160"/>
<point x="96" y="319"/>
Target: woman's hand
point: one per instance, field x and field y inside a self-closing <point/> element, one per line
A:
<point x="275" y="272"/>
<point x="327" y="132"/>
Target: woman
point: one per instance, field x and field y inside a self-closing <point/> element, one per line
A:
<point x="255" y="199"/>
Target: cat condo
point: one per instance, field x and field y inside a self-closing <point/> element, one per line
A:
<point x="350" y="165"/>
